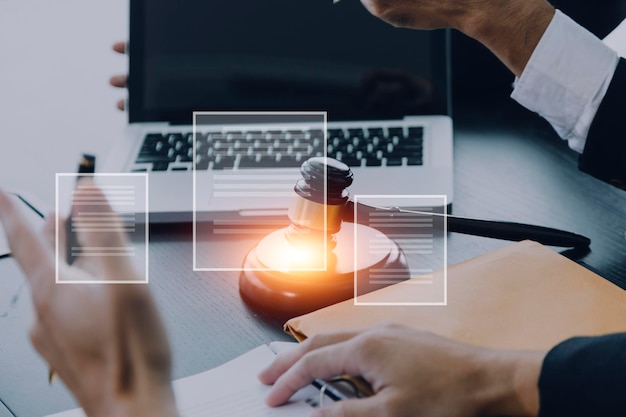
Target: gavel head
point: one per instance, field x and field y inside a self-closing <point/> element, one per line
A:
<point x="319" y="202"/>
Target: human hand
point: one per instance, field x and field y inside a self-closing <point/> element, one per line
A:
<point x="412" y="373"/>
<point x="511" y="29"/>
<point x="106" y="342"/>
<point x="119" y="80"/>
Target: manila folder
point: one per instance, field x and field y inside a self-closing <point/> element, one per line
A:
<point x="523" y="296"/>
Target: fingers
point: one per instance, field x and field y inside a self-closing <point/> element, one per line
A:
<point x="141" y="335"/>
<point x="119" y="47"/>
<point x="46" y="343"/>
<point x="49" y="234"/>
<point x="28" y="249"/>
<point x="285" y="360"/>
<point x="98" y="226"/>
<point x="40" y="339"/>
<point x="369" y="5"/>
<point x="58" y="243"/>
<point x="325" y="362"/>
<point x="118" y="81"/>
<point x="49" y="229"/>
<point x="363" y="407"/>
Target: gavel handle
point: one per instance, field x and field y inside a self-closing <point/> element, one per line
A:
<point x="487" y="228"/>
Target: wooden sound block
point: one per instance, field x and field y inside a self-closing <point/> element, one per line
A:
<point x="284" y="281"/>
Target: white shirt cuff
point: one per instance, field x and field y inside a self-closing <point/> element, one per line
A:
<point x="566" y="79"/>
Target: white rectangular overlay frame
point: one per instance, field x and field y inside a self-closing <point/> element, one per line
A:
<point x="444" y="302"/>
<point x="323" y="118"/>
<point x="56" y="225"/>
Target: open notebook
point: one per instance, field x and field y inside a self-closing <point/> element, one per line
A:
<point x="233" y="390"/>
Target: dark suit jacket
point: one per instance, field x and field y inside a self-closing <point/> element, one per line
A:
<point x="585" y="376"/>
<point x="604" y="156"/>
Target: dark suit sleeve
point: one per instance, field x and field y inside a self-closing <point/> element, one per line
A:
<point x="604" y="156"/>
<point x="585" y="376"/>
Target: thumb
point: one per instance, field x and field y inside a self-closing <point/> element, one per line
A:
<point x="101" y="232"/>
<point x="358" y="407"/>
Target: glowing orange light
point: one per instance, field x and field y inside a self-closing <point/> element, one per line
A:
<point x="281" y="255"/>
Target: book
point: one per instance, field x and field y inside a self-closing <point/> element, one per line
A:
<point x="233" y="389"/>
<point x="522" y="296"/>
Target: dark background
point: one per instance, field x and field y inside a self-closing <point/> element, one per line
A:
<point x="478" y="76"/>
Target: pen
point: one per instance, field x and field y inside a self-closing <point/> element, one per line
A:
<point x="87" y="165"/>
<point x="30" y="205"/>
<point x="517" y="232"/>
<point x="489" y="228"/>
<point x="359" y="387"/>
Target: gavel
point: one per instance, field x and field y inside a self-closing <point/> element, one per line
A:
<point x="312" y="263"/>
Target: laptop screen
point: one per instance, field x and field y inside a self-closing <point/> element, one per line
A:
<point x="306" y="55"/>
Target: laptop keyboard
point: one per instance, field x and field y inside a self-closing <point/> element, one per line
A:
<point x="372" y="146"/>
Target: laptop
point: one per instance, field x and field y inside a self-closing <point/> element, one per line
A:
<point x="383" y="92"/>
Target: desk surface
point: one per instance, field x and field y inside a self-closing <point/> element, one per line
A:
<point x="506" y="168"/>
<point x="512" y="170"/>
<point x="4" y="412"/>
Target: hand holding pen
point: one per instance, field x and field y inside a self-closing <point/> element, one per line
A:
<point x="106" y="342"/>
<point x="87" y="165"/>
<point x="413" y="373"/>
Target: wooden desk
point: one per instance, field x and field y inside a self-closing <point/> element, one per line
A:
<point x="507" y="168"/>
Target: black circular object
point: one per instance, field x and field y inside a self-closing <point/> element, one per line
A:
<point x="311" y="186"/>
